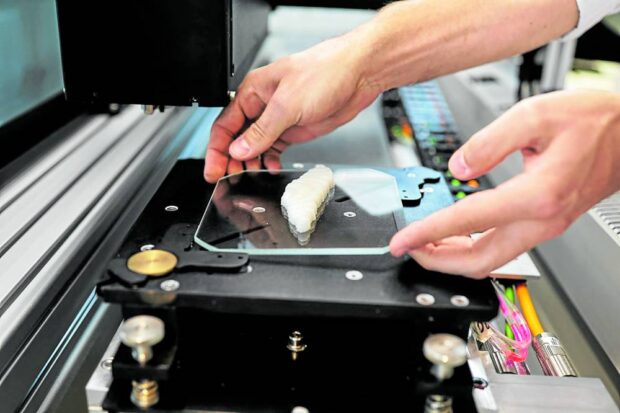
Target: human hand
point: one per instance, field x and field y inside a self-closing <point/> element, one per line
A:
<point x="570" y="144"/>
<point x="292" y="100"/>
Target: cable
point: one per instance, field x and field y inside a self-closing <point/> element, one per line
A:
<point x="528" y="310"/>
<point x="509" y="293"/>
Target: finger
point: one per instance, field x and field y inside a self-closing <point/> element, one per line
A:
<point x="518" y="128"/>
<point x="253" y="164"/>
<point x="246" y="105"/>
<point x="277" y="117"/>
<point x="478" y="258"/>
<point x="271" y="160"/>
<point x="234" y="167"/>
<point x="476" y="213"/>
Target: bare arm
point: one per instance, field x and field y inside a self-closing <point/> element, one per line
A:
<point x="313" y="92"/>
<point x="412" y="41"/>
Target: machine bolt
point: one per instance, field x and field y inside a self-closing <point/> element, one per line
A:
<point x="147" y="247"/>
<point x="425" y="299"/>
<point x="354" y="275"/>
<point x="295" y="344"/>
<point x="144" y="393"/>
<point x="170" y="285"/>
<point x="459" y="301"/>
<point x="438" y="403"/>
<point x="445" y="351"/>
<point x="141" y="333"/>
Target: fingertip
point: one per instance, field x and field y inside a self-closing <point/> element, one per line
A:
<point x="240" y="149"/>
<point x="397" y="249"/>
<point x="458" y="165"/>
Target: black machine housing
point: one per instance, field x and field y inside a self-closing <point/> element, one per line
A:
<point x="227" y="324"/>
<point x="161" y="52"/>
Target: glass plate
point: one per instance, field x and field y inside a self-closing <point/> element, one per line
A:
<point x="244" y="215"/>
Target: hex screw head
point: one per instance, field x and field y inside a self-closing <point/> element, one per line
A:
<point x="425" y="299"/>
<point x="170" y="285"/>
<point x="354" y="275"/>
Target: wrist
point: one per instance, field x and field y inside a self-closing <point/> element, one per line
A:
<point x="387" y="49"/>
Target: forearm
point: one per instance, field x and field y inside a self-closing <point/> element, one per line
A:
<point x="412" y="41"/>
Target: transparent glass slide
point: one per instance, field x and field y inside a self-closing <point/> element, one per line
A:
<point x="244" y="215"/>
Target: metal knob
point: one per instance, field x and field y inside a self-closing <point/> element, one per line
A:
<point x="445" y="351"/>
<point x="141" y="333"/>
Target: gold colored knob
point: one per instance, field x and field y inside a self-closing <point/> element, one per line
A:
<point x="153" y="263"/>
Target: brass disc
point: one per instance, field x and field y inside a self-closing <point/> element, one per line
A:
<point x="154" y="263"/>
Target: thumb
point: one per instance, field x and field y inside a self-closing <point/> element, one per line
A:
<point x="260" y="136"/>
<point x="512" y="131"/>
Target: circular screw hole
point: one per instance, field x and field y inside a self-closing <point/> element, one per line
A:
<point x="147" y="247"/>
<point x="107" y="363"/>
<point x="459" y="301"/>
<point x="480" y="383"/>
<point x="353" y="275"/>
<point x="258" y="209"/>
<point x="170" y="285"/>
<point x="350" y="214"/>
<point x="171" y="208"/>
<point x="425" y="299"/>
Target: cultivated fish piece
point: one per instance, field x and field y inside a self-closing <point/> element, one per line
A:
<point x="304" y="201"/>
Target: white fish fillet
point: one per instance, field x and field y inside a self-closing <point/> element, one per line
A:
<point x="305" y="198"/>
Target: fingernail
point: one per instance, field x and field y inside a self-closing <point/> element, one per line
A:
<point x="239" y="148"/>
<point x="458" y="165"/>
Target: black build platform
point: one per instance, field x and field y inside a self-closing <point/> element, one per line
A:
<point x="227" y="329"/>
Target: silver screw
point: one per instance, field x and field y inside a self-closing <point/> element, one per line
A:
<point x="258" y="209"/>
<point x="171" y="208"/>
<point x="350" y="214"/>
<point x="107" y="363"/>
<point x="428" y="189"/>
<point x="445" y="351"/>
<point x="295" y="344"/>
<point x="170" y="285"/>
<point x="141" y="333"/>
<point x="459" y="301"/>
<point x="425" y="299"/>
<point x="147" y="247"/>
<point x="353" y="275"/>
<point x="298" y="165"/>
